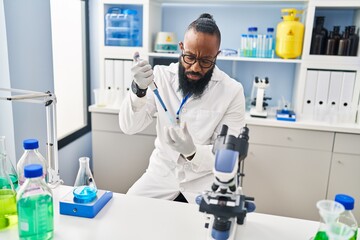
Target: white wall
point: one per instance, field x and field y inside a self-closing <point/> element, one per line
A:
<point x="30" y="67"/>
<point x="6" y="122"/>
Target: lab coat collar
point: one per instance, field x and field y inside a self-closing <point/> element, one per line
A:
<point x="174" y="70"/>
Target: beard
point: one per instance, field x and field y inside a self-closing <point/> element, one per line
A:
<point x="188" y="86"/>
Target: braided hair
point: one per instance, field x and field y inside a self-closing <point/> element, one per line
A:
<point x="205" y="24"/>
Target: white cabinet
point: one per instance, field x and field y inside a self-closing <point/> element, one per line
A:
<point x="286" y="170"/>
<point x="118" y="159"/>
<point x="345" y="167"/>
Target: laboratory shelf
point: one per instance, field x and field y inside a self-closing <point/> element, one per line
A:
<point x="303" y="124"/>
<point x="232" y="58"/>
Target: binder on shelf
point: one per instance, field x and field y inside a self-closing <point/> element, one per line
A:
<point x="127" y="75"/>
<point x="118" y="90"/>
<point x="347" y="111"/>
<point x="321" y="97"/>
<point x="347" y="90"/>
<point x="336" y="79"/>
<point x="109" y="74"/>
<point x="119" y="75"/>
<point x="309" y="94"/>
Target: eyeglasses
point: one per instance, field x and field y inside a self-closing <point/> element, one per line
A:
<point x="203" y="62"/>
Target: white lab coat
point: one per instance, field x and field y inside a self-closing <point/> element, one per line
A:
<point x="168" y="172"/>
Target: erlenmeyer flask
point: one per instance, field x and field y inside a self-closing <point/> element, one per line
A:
<point x="84" y="188"/>
<point x="8" y="213"/>
<point x="329" y="211"/>
<point x="8" y="167"/>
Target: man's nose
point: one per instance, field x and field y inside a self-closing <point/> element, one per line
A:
<point x="196" y="67"/>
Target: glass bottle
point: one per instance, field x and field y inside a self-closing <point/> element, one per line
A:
<point x="347" y="217"/>
<point x="344" y="43"/>
<point x="354" y="42"/>
<point x="330" y="46"/>
<point x="35" y="205"/>
<point x="84" y="188"/>
<point x="270" y="43"/>
<point x="336" y="37"/>
<point x="9" y="167"/>
<point x="30" y="156"/>
<point x="8" y="213"/>
<point x="319" y="37"/>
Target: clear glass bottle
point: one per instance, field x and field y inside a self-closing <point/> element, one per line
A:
<point x="35" y="205"/>
<point x="30" y="156"/>
<point x="347" y="217"/>
<point x="8" y="213"/>
<point x="9" y="167"/>
<point x="85" y="189"/>
<point x="270" y="43"/>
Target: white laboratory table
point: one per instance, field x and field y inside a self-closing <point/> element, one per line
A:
<point x="138" y="218"/>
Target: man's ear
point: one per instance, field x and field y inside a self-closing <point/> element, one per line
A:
<point x="181" y="46"/>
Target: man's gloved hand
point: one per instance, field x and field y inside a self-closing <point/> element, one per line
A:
<point x="142" y="74"/>
<point x="180" y="140"/>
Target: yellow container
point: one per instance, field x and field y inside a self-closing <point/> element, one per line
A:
<point x="289" y="35"/>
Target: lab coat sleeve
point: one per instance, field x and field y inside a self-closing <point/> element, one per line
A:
<point x="136" y="113"/>
<point x="234" y="118"/>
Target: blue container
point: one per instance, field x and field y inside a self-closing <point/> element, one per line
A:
<point x="133" y="18"/>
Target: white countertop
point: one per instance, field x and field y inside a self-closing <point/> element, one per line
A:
<point x="271" y="122"/>
<point x="133" y="218"/>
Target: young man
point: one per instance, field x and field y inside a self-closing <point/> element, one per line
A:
<point x="199" y="98"/>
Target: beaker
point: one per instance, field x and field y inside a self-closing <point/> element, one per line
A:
<point x="84" y="188"/>
<point x="339" y="231"/>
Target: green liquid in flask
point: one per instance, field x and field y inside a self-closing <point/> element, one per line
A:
<point x="36" y="217"/>
<point x="8" y="215"/>
<point x="321" y="235"/>
<point x="5" y="184"/>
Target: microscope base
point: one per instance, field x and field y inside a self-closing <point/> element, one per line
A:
<point x="254" y="113"/>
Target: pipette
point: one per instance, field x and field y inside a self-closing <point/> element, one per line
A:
<point x="154" y="88"/>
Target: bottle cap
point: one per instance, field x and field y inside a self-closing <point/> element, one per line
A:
<point x="33" y="171"/>
<point x="270" y="29"/>
<point x="345" y="200"/>
<point x="31" y="144"/>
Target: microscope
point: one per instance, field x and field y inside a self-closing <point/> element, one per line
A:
<point x="260" y="101"/>
<point x="225" y="205"/>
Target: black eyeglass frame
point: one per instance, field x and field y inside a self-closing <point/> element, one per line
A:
<point x="199" y="60"/>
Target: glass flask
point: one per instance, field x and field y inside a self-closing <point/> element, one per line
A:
<point x="35" y="206"/>
<point x="8" y="213"/>
<point x="84" y="188"/>
<point x="329" y="211"/>
<point x="8" y="166"/>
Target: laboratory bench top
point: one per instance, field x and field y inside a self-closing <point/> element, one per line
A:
<point x="131" y="217"/>
<point x="271" y="122"/>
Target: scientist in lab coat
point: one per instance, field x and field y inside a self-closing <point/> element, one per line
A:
<point x="204" y="97"/>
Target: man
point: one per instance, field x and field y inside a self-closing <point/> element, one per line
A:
<point x="199" y="99"/>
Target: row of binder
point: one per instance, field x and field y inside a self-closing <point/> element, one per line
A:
<point x="117" y="81"/>
<point x="328" y="96"/>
